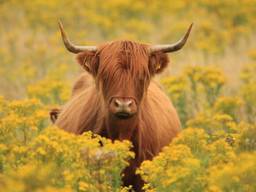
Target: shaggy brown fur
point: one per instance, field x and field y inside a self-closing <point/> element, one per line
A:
<point x="122" y="69"/>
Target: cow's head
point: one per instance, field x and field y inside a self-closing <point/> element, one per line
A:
<point x="122" y="70"/>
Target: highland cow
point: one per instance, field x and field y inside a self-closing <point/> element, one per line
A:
<point x="117" y="98"/>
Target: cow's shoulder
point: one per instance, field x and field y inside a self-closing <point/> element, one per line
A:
<point x="160" y="116"/>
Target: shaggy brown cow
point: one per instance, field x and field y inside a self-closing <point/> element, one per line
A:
<point x="119" y="100"/>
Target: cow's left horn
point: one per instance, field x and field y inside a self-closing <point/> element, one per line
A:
<point x="172" y="47"/>
<point x="70" y="46"/>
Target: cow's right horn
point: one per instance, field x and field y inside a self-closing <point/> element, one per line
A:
<point x="70" y="46"/>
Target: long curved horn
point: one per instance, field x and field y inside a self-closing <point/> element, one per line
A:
<point x="172" y="47"/>
<point x="70" y="46"/>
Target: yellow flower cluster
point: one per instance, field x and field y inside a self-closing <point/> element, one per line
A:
<point x="171" y="170"/>
<point x="237" y="175"/>
<point x="194" y="162"/>
<point x="195" y="89"/>
<point x="49" y="91"/>
<point x="34" y="157"/>
<point x="207" y="79"/>
<point x="21" y="119"/>
<point x="229" y="105"/>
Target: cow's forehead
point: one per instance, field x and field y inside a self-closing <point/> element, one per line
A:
<point x="121" y="57"/>
<point x="128" y="52"/>
<point x="123" y="46"/>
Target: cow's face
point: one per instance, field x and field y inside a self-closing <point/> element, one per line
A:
<point x="122" y="71"/>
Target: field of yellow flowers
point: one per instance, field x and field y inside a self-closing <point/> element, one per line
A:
<point x="214" y="152"/>
<point x="212" y="84"/>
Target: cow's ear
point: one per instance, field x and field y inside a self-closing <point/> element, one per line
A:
<point x="89" y="60"/>
<point x="158" y="62"/>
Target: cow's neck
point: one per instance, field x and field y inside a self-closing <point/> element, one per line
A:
<point x="121" y="129"/>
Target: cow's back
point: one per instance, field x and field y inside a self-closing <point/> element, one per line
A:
<point x="83" y="82"/>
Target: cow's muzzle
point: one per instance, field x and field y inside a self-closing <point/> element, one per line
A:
<point x="123" y="107"/>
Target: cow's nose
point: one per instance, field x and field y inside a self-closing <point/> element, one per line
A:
<point x="123" y="107"/>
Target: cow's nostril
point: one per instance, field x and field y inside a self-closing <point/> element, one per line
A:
<point x="117" y="103"/>
<point x="129" y="103"/>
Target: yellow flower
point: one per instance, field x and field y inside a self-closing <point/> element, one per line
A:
<point x="83" y="186"/>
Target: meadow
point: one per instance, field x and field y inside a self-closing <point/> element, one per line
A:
<point x="211" y="82"/>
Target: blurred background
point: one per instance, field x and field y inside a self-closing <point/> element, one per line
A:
<point x="32" y="54"/>
<point x="211" y="83"/>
